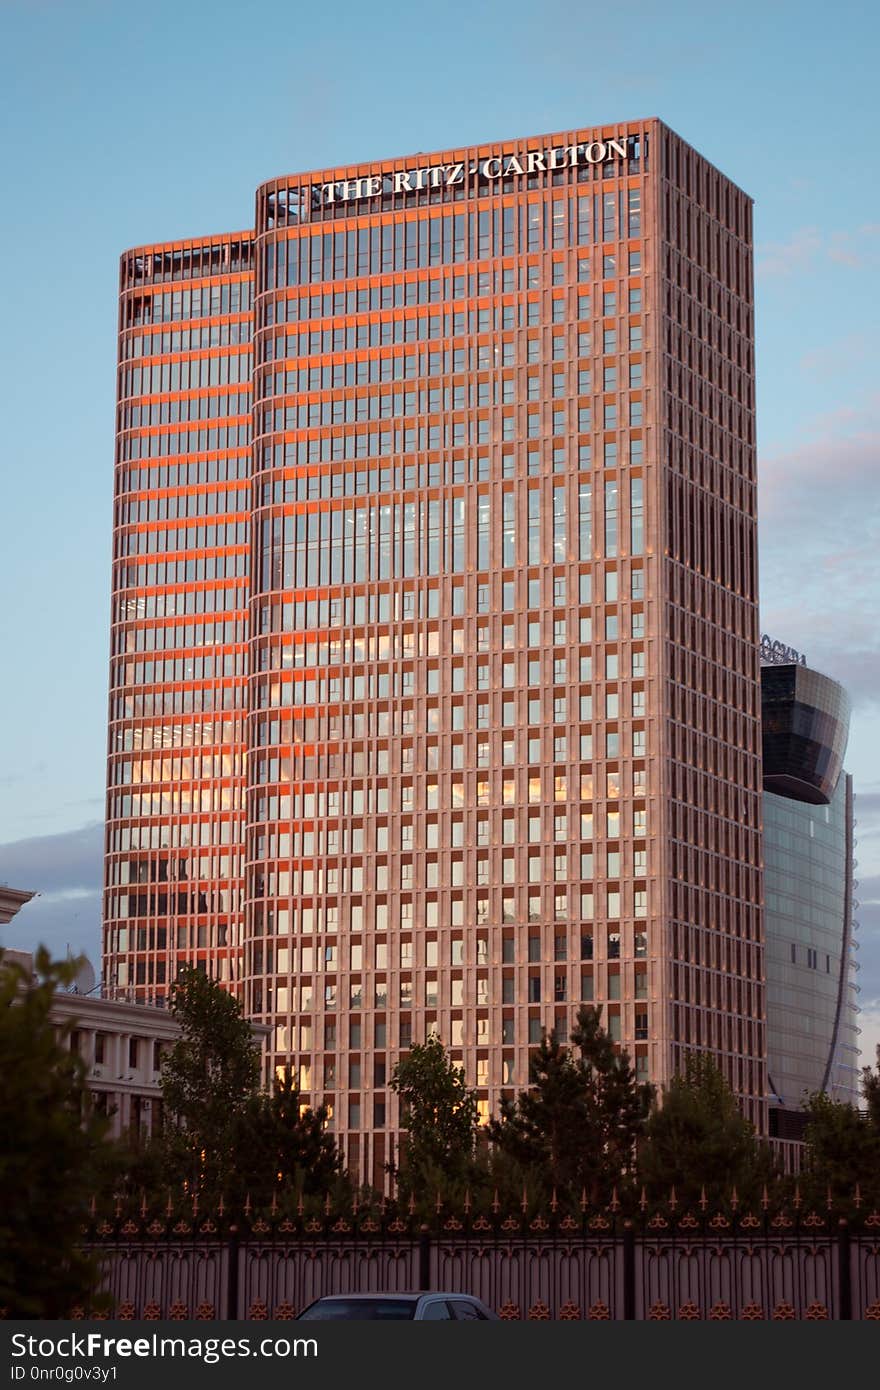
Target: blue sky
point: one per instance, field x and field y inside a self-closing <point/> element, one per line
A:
<point x="124" y="125"/>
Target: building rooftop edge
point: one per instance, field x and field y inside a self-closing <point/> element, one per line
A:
<point x="187" y="242"/>
<point x="408" y="158"/>
<point x="359" y="166"/>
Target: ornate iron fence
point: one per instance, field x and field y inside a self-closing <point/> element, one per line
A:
<point x="602" y="1265"/>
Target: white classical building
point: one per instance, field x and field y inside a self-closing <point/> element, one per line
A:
<point x="121" y="1045"/>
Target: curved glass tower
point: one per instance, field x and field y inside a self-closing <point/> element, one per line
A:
<point x="808" y="854"/>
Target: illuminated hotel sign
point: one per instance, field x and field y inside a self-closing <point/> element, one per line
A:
<point x="778" y="654"/>
<point x="492" y="168"/>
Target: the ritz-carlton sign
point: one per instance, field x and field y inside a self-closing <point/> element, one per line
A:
<point x="494" y="166"/>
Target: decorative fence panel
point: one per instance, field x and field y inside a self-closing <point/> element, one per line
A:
<point x="685" y="1267"/>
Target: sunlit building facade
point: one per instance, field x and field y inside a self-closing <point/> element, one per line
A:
<point x="175" y="809"/>
<point x="503" y="703"/>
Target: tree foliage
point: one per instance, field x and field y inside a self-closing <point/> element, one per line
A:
<point x="209" y="1079"/>
<point x="843" y="1144"/>
<point x="284" y="1147"/>
<point x="55" y="1153"/>
<point x="439" y="1119"/>
<point x="575" y="1129"/>
<point x="871" y="1091"/>
<point x="697" y="1138"/>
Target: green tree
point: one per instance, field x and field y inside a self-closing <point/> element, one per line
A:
<point x="208" y="1079"/>
<point x="55" y="1154"/>
<point x="575" y="1129"/>
<point x="871" y="1091"/>
<point x="439" y="1120"/>
<point x="284" y="1148"/>
<point x="697" y="1138"/>
<point x="843" y="1145"/>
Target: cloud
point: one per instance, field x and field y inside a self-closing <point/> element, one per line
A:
<point x="867" y="811"/>
<point x="836" y="357"/>
<point x="808" y="245"/>
<point x="62" y="922"/>
<point x="789" y="257"/>
<point x="65" y="870"/>
<point x="820" y="548"/>
<point x="55" y="863"/>
<point x="869" y="1039"/>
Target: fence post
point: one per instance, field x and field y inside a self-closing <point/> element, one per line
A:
<point x="424" y="1258"/>
<point x="844" y="1270"/>
<point x="629" y="1271"/>
<point x="232" y="1275"/>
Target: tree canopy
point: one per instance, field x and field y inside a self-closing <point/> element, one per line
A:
<point x="576" y="1127"/>
<point x="439" y="1118"/>
<point x="56" y="1154"/>
<point x="843" y="1144"/>
<point x="696" y="1138"/>
<point x="208" y="1079"/>
<point x="283" y="1146"/>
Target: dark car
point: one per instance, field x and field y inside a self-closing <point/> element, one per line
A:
<point x="398" y="1307"/>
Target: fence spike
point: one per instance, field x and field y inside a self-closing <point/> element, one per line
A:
<point x="614" y="1203"/>
<point x="704" y="1200"/>
<point x="93" y="1205"/>
<point x="299" y="1203"/>
<point x="327" y="1205"/>
<point x="467" y="1200"/>
<point x="274" y="1206"/>
<point x="169" y="1205"/>
<point x="143" y="1204"/>
<point x="797" y="1197"/>
<point x="584" y="1203"/>
<point x="734" y="1199"/>
<point x="525" y="1199"/>
<point x="247" y="1205"/>
<point x="673" y="1200"/>
<point x="438" y="1203"/>
<point x="221" y="1206"/>
<point x="553" y="1202"/>
<point x="643" y="1200"/>
<point x="765" y="1198"/>
<point x="496" y="1205"/>
<point x="829" y="1200"/>
<point x="195" y="1204"/>
<point x="411" y="1205"/>
<point x="118" y="1205"/>
<point x="858" y="1196"/>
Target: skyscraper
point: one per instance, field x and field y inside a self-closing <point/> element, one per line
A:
<point x="175" y="812"/>
<point x="501" y="717"/>
<point x="812" y="1036"/>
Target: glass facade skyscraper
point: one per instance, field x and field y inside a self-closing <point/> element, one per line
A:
<point x="487" y="643"/>
<point x="812" y="1035"/>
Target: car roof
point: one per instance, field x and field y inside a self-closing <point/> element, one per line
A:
<point x="400" y="1293"/>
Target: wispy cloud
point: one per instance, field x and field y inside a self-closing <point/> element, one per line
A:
<point x="808" y="247"/>
<point x="869" y="1039"/>
<point x="789" y="257"/>
<point x="60" y="863"/>
<point x="820" y="548"/>
<point x="836" y="357"/>
<point x="65" y="871"/>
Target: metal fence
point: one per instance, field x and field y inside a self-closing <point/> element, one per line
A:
<point x="601" y="1265"/>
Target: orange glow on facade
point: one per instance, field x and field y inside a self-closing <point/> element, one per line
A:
<point x="501" y="702"/>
